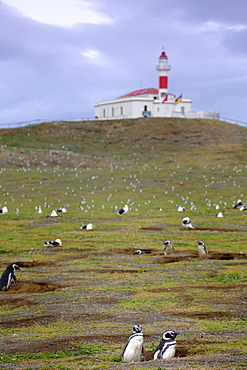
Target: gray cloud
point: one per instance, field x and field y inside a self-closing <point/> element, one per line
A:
<point x="50" y="72"/>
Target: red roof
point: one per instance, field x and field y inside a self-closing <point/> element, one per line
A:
<point x="148" y="91"/>
<point x="163" y="55"/>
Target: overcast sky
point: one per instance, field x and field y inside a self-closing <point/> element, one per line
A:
<point x="59" y="57"/>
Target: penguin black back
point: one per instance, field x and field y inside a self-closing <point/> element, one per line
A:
<point x="167" y="346"/>
<point x="8" y="276"/>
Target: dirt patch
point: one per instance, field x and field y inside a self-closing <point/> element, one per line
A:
<point x="131" y="251"/>
<point x="16" y="302"/>
<point x="33" y="287"/>
<point x="220" y="229"/>
<point x="226" y="287"/>
<point x="25" y="322"/>
<point x="188" y="255"/>
<point x="184" y="349"/>
<point x="212" y="315"/>
<point x="25" y="263"/>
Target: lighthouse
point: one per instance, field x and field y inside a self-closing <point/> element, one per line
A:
<point x="150" y="102"/>
<point x="163" y="67"/>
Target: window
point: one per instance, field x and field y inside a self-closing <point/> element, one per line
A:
<point x="112" y="112"/>
<point x="103" y="113"/>
<point x="121" y="111"/>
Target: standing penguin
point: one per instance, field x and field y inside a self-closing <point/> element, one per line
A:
<point x="202" y="250"/>
<point x="134" y="347"/>
<point x="168" y="249"/>
<point x="8" y="276"/>
<point x="167" y="347"/>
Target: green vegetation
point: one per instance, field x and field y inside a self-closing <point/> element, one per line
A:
<point x="86" y="350"/>
<point x="74" y="306"/>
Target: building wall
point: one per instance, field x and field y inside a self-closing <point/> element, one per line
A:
<point x="135" y="107"/>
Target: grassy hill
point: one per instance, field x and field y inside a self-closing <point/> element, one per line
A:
<point x="122" y="137"/>
<point x="74" y="306"/>
<point x="173" y="132"/>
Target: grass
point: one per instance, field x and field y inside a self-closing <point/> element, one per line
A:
<point x="84" y="350"/>
<point x="93" y="175"/>
<point x="213" y="325"/>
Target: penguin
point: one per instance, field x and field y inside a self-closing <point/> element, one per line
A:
<point x="8" y="276"/>
<point x="134" y="347"/>
<point x="54" y="213"/>
<point x="168" y="248"/>
<point x="38" y="209"/>
<point x="167" y="346"/>
<point x="139" y="251"/>
<point x="62" y="209"/>
<point x="87" y="226"/>
<point x="202" y="250"/>
<point x="181" y="209"/>
<point x="53" y="243"/>
<point x="220" y="214"/>
<point x="239" y="204"/>
<point x="123" y="210"/>
<point x="4" y="210"/>
<point x="242" y="208"/>
<point x="186" y="223"/>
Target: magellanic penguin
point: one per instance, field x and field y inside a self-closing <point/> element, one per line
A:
<point x="202" y="250"/>
<point x="220" y="214"/>
<point x="8" y="276"/>
<point x="62" y="209"/>
<point x="186" y="223"/>
<point x="4" y="210"/>
<point x="123" y="210"/>
<point x="53" y="243"/>
<point x="53" y="213"/>
<point x="239" y="204"/>
<point x="167" y="347"/>
<point x="87" y="226"/>
<point x="134" y="347"/>
<point x="139" y="251"/>
<point x="168" y="248"/>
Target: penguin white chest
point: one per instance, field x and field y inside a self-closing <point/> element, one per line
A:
<point x="134" y="349"/>
<point x="169" y="352"/>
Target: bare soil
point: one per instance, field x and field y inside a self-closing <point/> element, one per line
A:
<point x="30" y="294"/>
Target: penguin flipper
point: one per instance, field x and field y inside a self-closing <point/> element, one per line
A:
<point x="159" y="348"/>
<point x="126" y="345"/>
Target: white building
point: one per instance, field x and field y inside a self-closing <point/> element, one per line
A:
<point x="150" y="102"/>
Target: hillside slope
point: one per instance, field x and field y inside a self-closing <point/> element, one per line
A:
<point x="118" y="136"/>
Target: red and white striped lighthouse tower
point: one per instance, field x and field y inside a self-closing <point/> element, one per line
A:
<point x="163" y="67"/>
